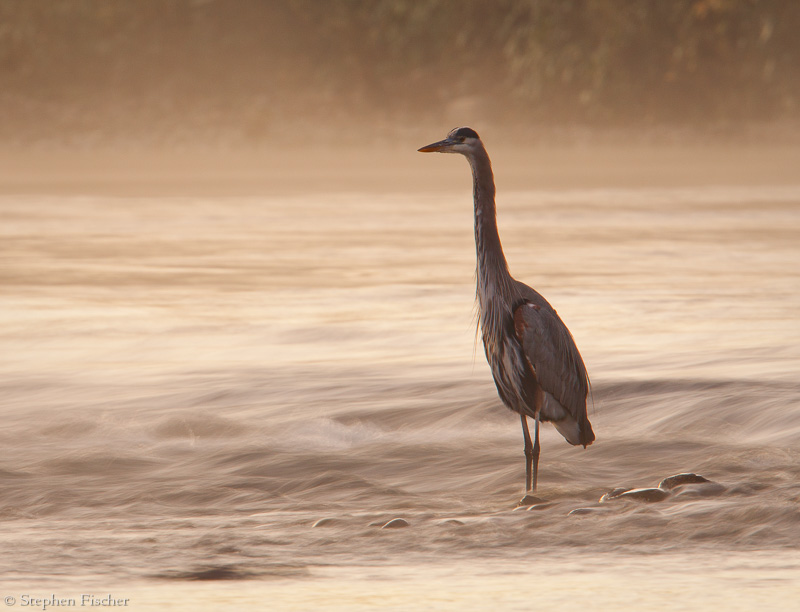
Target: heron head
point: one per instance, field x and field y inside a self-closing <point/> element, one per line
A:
<point x="462" y="140"/>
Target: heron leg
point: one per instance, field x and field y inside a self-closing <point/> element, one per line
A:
<point x="535" y="453"/>
<point x="528" y="451"/>
<point x="532" y="452"/>
<point x="539" y="400"/>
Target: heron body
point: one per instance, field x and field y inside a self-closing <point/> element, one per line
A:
<point x="536" y="366"/>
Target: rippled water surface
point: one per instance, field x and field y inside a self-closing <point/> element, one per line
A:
<point x="220" y="401"/>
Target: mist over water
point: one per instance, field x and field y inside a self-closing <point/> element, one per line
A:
<point x="239" y="366"/>
<point x="250" y="387"/>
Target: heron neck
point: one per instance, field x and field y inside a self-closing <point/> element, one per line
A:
<point x="493" y="275"/>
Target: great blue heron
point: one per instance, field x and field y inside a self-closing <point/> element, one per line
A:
<point x="536" y="366"/>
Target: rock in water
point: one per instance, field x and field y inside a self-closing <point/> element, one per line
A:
<point x="670" y="482"/>
<point x="681" y="485"/>
<point x="614" y="493"/>
<point x="529" y="500"/>
<point x="396" y="523"/>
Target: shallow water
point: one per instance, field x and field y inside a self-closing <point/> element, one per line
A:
<point x="189" y="385"/>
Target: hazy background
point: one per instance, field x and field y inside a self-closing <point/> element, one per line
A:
<point x="176" y="72"/>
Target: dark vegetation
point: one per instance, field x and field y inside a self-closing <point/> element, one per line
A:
<point x="176" y="71"/>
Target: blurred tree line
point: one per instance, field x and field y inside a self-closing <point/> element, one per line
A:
<point x="260" y="69"/>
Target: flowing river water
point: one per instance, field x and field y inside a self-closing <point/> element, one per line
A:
<point x="218" y="401"/>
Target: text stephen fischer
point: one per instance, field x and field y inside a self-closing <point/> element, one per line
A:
<point x="86" y="601"/>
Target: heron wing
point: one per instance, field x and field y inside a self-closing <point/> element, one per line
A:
<point x="555" y="360"/>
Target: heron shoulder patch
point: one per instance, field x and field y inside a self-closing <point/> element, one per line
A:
<point x="520" y="324"/>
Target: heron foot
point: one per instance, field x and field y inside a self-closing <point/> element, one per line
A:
<point x="529" y="500"/>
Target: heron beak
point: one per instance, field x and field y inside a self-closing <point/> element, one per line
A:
<point x="443" y="146"/>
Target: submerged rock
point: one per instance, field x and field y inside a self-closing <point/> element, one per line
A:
<point x="543" y="506"/>
<point x="326" y="522"/>
<point x="649" y="495"/>
<point x="585" y="511"/>
<point x="397" y="523"/>
<point x="699" y="489"/>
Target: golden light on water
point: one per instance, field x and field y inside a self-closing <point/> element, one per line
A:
<point x="238" y="304"/>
